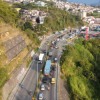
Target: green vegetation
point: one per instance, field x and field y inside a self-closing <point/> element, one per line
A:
<point x="80" y="65"/>
<point x="8" y="14"/>
<point x="56" y="19"/>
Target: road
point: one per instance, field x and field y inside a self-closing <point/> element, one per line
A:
<point x="30" y="80"/>
<point x="53" y="93"/>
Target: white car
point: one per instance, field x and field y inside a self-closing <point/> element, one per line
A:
<point x="57" y="39"/>
<point x="42" y="87"/>
<point x="55" y="59"/>
<point x="40" y="96"/>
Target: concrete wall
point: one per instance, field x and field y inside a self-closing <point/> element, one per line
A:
<point x="14" y="46"/>
<point x="16" y="77"/>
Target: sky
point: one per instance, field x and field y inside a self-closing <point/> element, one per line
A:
<point x="88" y="2"/>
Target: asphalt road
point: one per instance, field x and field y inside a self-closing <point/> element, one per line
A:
<point x="53" y="93"/>
<point x="30" y="79"/>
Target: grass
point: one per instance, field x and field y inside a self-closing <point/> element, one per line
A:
<point x="16" y="61"/>
<point x="2" y="48"/>
<point x="36" y="49"/>
<point x="62" y="76"/>
<point x="28" y="61"/>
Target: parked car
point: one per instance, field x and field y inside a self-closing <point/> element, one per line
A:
<point x="42" y="87"/>
<point x="40" y="96"/>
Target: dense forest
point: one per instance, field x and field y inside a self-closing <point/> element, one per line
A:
<point x="80" y="65"/>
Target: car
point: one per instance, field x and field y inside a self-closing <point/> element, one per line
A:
<point x="52" y="80"/>
<point x="51" y="45"/>
<point x="54" y="68"/>
<point x="57" y="39"/>
<point x="40" y="96"/>
<point x="55" y="59"/>
<point x="45" y="80"/>
<point x="30" y="93"/>
<point x="56" y="47"/>
<point x="42" y="87"/>
<point x="44" y="51"/>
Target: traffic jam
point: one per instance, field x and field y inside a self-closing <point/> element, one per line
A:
<point x="48" y="78"/>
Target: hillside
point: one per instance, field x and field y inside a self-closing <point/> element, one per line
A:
<point x="11" y="26"/>
<point x="56" y="20"/>
<point x="8" y="31"/>
<point x="8" y="14"/>
<point x="80" y="65"/>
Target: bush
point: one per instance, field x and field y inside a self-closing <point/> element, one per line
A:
<point x="80" y="64"/>
<point x="3" y="76"/>
<point x="9" y="15"/>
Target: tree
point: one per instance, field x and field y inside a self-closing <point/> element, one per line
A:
<point x="28" y="25"/>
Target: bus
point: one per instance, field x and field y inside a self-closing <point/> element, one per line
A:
<point x="47" y="68"/>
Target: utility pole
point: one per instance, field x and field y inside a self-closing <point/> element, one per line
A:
<point x="86" y="33"/>
<point x="37" y="73"/>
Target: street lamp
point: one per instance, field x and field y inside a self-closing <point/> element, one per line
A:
<point x="46" y="48"/>
<point x="37" y="71"/>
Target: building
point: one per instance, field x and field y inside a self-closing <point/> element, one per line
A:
<point x="41" y="20"/>
<point x="40" y="3"/>
<point x="83" y="14"/>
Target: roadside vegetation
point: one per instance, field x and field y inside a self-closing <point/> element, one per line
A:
<point x="80" y="65"/>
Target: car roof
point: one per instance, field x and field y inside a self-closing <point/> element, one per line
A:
<point x="40" y="94"/>
<point x="42" y="85"/>
<point x="53" y="78"/>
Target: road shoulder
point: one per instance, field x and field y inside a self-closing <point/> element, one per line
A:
<point x="63" y="92"/>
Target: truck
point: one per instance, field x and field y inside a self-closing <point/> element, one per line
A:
<point x="41" y="57"/>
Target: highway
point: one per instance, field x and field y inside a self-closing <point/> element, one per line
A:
<point x="53" y="93"/>
<point x="30" y="80"/>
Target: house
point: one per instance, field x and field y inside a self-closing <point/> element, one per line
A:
<point x="40" y="3"/>
<point x="33" y="19"/>
<point x="42" y="13"/>
<point x="40" y="20"/>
